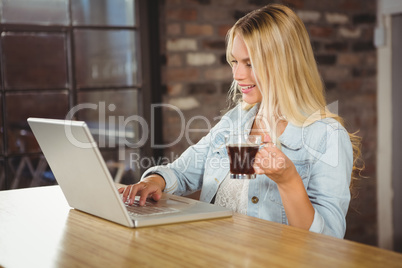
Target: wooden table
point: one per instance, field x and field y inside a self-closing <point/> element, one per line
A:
<point x="38" y="229"/>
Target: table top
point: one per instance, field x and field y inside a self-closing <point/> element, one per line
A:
<point x="39" y="229"/>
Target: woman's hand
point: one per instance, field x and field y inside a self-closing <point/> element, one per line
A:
<point x="150" y="187"/>
<point x="274" y="163"/>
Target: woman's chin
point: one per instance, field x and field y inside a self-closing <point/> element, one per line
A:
<point x="251" y="99"/>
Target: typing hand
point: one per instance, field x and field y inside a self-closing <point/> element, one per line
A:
<point x="150" y="187"/>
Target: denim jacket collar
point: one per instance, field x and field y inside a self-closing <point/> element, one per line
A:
<point x="242" y="118"/>
<point x="291" y="138"/>
<point x="248" y="118"/>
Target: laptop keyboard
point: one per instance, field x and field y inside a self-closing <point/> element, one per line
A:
<point x="149" y="209"/>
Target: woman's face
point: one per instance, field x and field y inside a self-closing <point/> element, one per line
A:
<point x="243" y="72"/>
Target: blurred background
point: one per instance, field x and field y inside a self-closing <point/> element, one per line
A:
<point x="126" y="57"/>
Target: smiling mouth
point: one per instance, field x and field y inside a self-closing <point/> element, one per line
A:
<point x="247" y="89"/>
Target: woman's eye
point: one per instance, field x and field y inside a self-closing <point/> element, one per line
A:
<point x="249" y="65"/>
<point x="234" y="61"/>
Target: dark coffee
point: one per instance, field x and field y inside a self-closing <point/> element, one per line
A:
<point x="241" y="158"/>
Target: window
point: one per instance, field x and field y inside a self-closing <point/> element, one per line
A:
<point x="57" y="54"/>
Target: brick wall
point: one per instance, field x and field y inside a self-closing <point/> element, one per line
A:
<point x="197" y="77"/>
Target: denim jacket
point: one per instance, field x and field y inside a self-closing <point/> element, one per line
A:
<point x="322" y="153"/>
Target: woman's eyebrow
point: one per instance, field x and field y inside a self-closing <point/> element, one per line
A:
<point x="244" y="60"/>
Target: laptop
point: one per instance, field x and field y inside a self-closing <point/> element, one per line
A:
<point x="87" y="185"/>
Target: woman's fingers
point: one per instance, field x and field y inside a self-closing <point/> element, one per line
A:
<point x="130" y="192"/>
<point x="267" y="138"/>
<point x="258" y="170"/>
<point x="268" y="159"/>
<point x="144" y="189"/>
<point x="145" y="192"/>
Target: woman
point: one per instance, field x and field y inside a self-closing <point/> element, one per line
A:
<point x="305" y="172"/>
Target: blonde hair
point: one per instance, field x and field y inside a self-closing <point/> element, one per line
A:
<point x="285" y="69"/>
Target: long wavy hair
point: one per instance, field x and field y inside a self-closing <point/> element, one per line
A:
<point x="283" y="63"/>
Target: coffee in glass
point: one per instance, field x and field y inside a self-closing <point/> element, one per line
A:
<point x="242" y="149"/>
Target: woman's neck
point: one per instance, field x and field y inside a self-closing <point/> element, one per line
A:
<point x="259" y="128"/>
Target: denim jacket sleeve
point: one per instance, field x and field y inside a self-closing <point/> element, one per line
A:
<point x="328" y="186"/>
<point x="185" y="174"/>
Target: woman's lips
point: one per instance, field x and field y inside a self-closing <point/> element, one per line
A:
<point x="246" y="89"/>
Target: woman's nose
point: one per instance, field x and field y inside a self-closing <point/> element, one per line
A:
<point x="238" y="72"/>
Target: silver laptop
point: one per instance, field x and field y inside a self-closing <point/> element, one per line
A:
<point x="86" y="182"/>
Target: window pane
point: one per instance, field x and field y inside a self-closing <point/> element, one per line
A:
<point x="44" y="12"/>
<point x="103" y="12"/>
<point x="28" y="171"/>
<point x="34" y="60"/>
<point x="106" y="58"/>
<point x="135" y="165"/>
<point x="122" y="170"/>
<point x="20" y="106"/>
<point x="110" y="118"/>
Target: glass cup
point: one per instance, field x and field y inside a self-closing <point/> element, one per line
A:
<point x="242" y="149"/>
